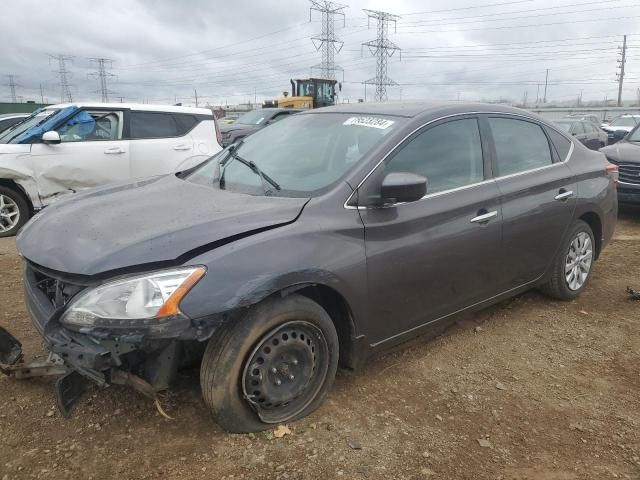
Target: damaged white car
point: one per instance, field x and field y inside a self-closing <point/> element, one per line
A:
<point x="65" y="148"/>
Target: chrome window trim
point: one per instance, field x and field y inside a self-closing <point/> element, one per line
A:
<point x="464" y="187"/>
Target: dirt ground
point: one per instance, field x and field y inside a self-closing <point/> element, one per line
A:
<point x="530" y="389"/>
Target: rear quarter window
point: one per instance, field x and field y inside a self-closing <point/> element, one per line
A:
<point x="185" y="122"/>
<point x="560" y="143"/>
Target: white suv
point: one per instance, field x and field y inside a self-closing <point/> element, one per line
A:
<point x="69" y="147"/>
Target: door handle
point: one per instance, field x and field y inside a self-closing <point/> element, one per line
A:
<point x="113" y="150"/>
<point x="484" y="217"/>
<point x="182" y="147"/>
<point x="563" y="195"/>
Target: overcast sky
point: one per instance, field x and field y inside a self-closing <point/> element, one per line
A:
<point x="233" y="51"/>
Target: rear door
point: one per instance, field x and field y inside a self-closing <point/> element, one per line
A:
<point x="578" y="131"/>
<point x="537" y="195"/>
<point x="594" y="136"/>
<point x="160" y="141"/>
<point x="92" y="152"/>
<point x="429" y="258"/>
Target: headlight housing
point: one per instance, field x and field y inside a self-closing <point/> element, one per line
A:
<point x="150" y="300"/>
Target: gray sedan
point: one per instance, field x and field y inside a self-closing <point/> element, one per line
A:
<point x="316" y="242"/>
<point x="251" y="122"/>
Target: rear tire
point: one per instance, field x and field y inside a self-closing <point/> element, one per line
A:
<point x="14" y="211"/>
<point x="572" y="267"/>
<point x="274" y="365"/>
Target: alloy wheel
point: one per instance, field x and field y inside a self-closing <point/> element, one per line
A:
<point x="285" y="371"/>
<point x="9" y="213"/>
<point x="578" y="261"/>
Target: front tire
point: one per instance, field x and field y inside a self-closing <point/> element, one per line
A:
<point x="14" y="211"/>
<point x="572" y="267"/>
<point x="274" y="365"/>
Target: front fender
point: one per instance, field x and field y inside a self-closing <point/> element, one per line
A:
<point x="320" y="248"/>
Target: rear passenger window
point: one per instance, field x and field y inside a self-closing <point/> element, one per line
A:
<point x="185" y="122"/>
<point x="449" y="155"/>
<point x="520" y="145"/>
<point x="152" y="125"/>
<point x="560" y="142"/>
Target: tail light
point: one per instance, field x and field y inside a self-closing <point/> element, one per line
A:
<point x="612" y="171"/>
<point x="218" y="133"/>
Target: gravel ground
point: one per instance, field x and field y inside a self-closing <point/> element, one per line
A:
<point x="529" y="389"/>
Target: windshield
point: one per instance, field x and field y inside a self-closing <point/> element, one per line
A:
<point x="624" y="122"/>
<point x="15" y="133"/>
<point x="305" y="155"/>
<point x="564" y="126"/>
<point x="255" y="117"/>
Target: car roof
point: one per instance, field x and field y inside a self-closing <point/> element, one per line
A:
<point x="136" y="106"/>
<point x="13" y="115"/>
<point x="414" y="109"/>
<point x="280" y="109"/>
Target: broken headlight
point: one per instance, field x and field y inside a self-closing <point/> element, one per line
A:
<point x="134" y="301"/>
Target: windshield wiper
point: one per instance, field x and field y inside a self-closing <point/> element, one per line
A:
<point x="233" y="155"/>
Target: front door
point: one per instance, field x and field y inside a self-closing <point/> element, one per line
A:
<point x="537" y="193"/>
<point x="91" y="153"/>
<point x="430" y="258"/>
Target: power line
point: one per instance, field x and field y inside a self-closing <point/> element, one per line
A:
<point x="621" y="62"/>
<point x="102" y="76"/>
<point x="526" y="26"/>
<point x="483" y="18"/>
<point x="486" y="5"/>
<point x="382" y="48"/>
<point x="327" y="40"/>
<point x="65" y="87"/>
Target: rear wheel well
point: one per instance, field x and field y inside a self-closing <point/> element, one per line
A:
<point x="338" y="309"/>
<point x="593" y="220"/>
<point x="18" y="189"/>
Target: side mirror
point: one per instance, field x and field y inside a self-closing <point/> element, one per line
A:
<point x="403" y="187"/>
<point x="51" y="137"/>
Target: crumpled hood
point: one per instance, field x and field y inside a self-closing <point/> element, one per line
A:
<point x="236" y="127"/>
<point x="609" y="128"/>
<point x="158" y="220"/>
<point x="623" y="152"/>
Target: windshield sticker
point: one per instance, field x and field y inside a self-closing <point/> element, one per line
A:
<point x="371" y="122"/>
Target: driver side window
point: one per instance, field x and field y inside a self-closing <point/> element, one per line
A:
<point x="87" y="126"/>
<point x="449" y="155"/>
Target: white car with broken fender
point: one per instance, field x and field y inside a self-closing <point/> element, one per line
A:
<point x="65" y="148"/>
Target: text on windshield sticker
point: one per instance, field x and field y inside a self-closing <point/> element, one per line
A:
<point x="371" y="122"/>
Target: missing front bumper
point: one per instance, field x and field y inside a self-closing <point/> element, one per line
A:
<point x="80" y="362"/>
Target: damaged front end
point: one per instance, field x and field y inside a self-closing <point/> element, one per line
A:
<point x="125" y="331"/>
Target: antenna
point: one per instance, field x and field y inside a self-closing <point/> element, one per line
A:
<point x="381" y="48"/>
<point x="327" y="40"/>
<point x="102" y="76"/>
<point x="12" y="88"/>
<point x="65" y="87"/>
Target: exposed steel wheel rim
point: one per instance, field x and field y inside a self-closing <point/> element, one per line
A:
<point x="578" y="261"/>
<point x="285" y="371"/>
<point x="9" y="213"/>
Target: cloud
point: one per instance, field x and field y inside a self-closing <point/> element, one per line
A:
<point x="237" y="51"/>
